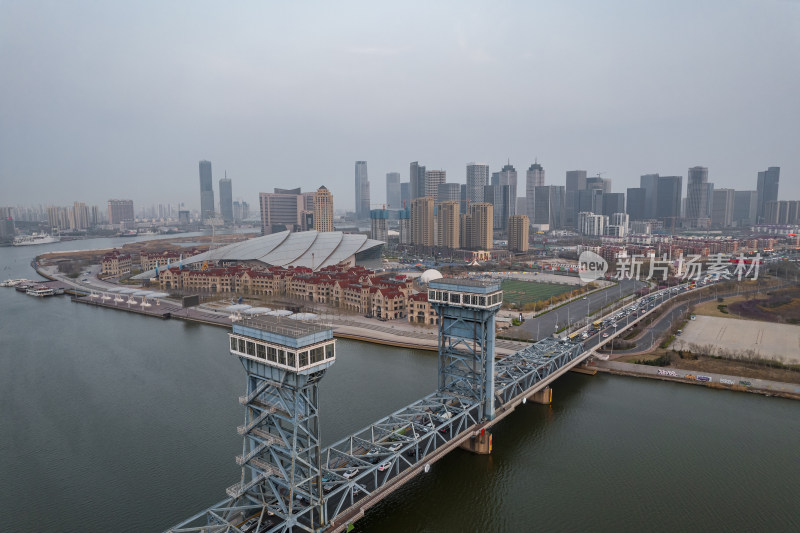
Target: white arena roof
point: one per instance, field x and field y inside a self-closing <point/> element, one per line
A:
<point x="310" y="249"/>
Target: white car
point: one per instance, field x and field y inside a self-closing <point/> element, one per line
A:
<point x="385" y="465"/>
<point x="350" y="473"/>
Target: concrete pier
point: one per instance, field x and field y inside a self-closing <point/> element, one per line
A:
<point x="480" y="443"/>
<point x="543" y="396"/>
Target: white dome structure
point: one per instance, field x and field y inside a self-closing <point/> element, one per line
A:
<point x="430" y="275"/>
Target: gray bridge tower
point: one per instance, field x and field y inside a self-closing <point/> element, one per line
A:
<point x="281" y="483"/>
<point x="466" y="310"/>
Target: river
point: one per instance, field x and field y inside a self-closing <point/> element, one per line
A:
<point x="118" y="422"/>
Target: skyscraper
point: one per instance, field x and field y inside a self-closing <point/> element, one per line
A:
<point x="448" y="192"/>
<point x="549" y="206"/>
<point x="697" y="215"/>
<point x="599" y="183"/>
<point x="480" y="226"/>
<point x="362" y="190"/>
<point x="283" y="209"/>
<point x="613" y="202"/>
<point x="508" y="176"/>
<point x="422" y="221"/>
<point x="323" y="209"/>
<point x="378" y="219"/>
<point x="767" y="188"/>
<point x="448" y="221"/>
<point x="745" y="208"/>
<point x="206" y="191"/>
<point x="636" y="203"/>
<point x="416" y="176"/>
<point x="649" y="182"/>
<point x="576" y="182"/>
<point x="434" y="178"/>
<point x="477" y="178"/>
<point x="518" y="233"/>
<point x="722" y="208"/>
<point x="226" y="199"/>
<point x="534" y="177"/>
<point x="405" y="195"/>
<point x="120" y="211"/>
<point x="668" y="195"/>
<point x="393" y="198"/>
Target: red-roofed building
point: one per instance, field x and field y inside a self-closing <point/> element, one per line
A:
<point x="115" y="263"/>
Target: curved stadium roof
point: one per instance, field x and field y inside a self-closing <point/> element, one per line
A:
<point x="310" y="249"/>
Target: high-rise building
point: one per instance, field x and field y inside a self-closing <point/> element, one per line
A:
<point x="549" y="206"/>
<point x="448" y="192"/>
<point x="405" y="195"/>
<point x="697" y="215"/>
<point x="283" y="209"/>
<point x="722" y="208"/>
<point x="534" y="177"/>
<point x="518" y="233"/>
<point x="745" y="208"/>
<point x="323" y="209"/>
<point x="592" y="224"/>
<point x="464" y="198"/>
<point x="422" y="221"/>
<point x="448" y="218"/>
<point x="362" y="191"/>
<point x="782" y="212"/>
<point x="477" y="178"/>
<point x="7" y="229"/>
<point x="499" y="196"/>
<point x="508" y="176"/>
<point x="206" y="191"/>
<point x="434" y="178"/>
<point x="404" y="220"/>
<point x="599" y="183"/>
<point x="120" y="212"/>
<point x="668" y="195"/>
<point x="393" y="195"/>
<point x="635" y="206"/>
<point x="767" y="187"/>
<point x="416" y="177"/>
<point x="576" y="182"/>
<point x="649" y="182"/>
<point x="378" y="219"/>
<point x="226" y="199"/>
<point x="480" y="226"/>
<point x="613" y="202"/>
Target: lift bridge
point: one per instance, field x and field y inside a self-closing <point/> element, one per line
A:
<point x="289" y="483"/>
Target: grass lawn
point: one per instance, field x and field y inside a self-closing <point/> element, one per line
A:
<point x="523" y="292"/>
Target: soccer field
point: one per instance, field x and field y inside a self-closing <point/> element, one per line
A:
<point x="523" y="292"/>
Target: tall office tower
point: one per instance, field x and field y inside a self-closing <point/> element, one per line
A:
<point x="378" y="220"/>
<point x="226" y="199"/>
<point x="767" y="188"/>
<point x="434" y="178"/>
<point x="448" y="219"/>
<point x="508" y="176"/>
<point x="534" y="177"/>
<point x="477" y="178"/>
<point x="448" y="192"/>
<point x="745" y="208"/>
<point x="283" y="209"/>
<point x="416" y="176"/>
<point x="120" y="211"/>
<point x="549" y="206"/>
<point x="613" y="202"/>
<point x="668" y="195"/>
<point x="206" y="191"/>
<point x="498" y="196"/>
<point x="599" y="183"/>
<point x="405" y="195"/>
<point x="480" y="222"/>
<point x="649" y="182"/>
<point x="518" y="233"/>
<point x="782" y="212"/>
<point x="323" y="209"/>
<point x="592" y="224"/>
<point x="7" y="230"/>
<point x="635" y="205"/>
<point x="404" y="219"/>
<point x="576" y="181"/>
<point x="422" y="221"/>
<point x="464" y="198"/>
<point x="393" y="195"/>
<point x="697" y="198"/>
<point x="362" y="191"/>
<point x="722" y="208"/>
<point x="79" y="216"/>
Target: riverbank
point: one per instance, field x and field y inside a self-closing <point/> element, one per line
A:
<point x="706" y="379"/>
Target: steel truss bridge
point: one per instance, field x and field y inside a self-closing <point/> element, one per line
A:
<point x="360" y="470"/>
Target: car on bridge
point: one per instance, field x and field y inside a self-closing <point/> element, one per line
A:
<point x="385" y="465"/>
<point x="605" y="335"/>
<point x="350" y="473"/>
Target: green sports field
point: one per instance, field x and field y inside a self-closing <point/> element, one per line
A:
<point x="523" y="292"/>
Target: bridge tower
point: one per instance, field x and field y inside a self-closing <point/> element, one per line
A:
<point x="466" y="310"/>
<point x="285" y="361"/>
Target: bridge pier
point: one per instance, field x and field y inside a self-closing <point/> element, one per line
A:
<point x="544" y="396"/>
<point x="480" y="443"/>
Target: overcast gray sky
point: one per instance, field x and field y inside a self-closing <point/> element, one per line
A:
<point x="106" y="100"/>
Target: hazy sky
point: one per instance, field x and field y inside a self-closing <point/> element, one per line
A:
<point x="104" y="100"/>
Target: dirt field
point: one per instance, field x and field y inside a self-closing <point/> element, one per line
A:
<point x="710" y="308"/>
<point x="752" y="338"/>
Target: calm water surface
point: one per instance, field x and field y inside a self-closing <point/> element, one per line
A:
<point x="117" y="422"/>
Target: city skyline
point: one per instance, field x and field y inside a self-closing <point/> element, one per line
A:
<point x="87" y="111"/>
